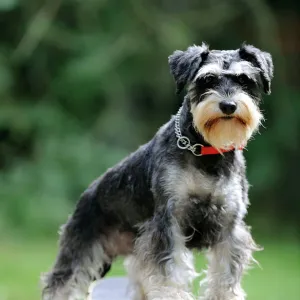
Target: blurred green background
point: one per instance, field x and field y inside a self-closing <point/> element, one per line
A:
<point x="83" y="83"/>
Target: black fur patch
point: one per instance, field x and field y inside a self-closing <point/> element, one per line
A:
<point x="204" y="225"/>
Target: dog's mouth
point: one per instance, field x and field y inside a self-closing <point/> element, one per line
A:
<point x="227" y="117"/>
<point x="214" y="121"/>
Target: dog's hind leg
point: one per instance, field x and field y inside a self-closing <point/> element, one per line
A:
<point x="83" y="255"/>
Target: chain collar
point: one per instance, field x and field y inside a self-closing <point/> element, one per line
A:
<point x="184" y="142"/>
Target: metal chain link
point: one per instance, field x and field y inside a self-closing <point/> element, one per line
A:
<point x="184" y="142"/>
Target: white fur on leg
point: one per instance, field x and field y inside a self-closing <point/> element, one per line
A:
<point x="135" y="290"/>
<point x="176" y="285"/>
<point x="149" y="284"/>
<point x="227" y="261"/>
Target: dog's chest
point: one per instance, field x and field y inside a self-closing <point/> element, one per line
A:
<point x="205" y="205"/>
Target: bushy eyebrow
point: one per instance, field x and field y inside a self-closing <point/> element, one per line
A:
<point x="243" y="67"/>
<point x="213" y="69"/>
<point x="236" y="68"/>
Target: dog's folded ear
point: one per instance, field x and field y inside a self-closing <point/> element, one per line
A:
<point x="262" y="60"/>
<point x="185" y="64"/>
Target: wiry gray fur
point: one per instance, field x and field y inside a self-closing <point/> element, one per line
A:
<point x="160" y="202"/>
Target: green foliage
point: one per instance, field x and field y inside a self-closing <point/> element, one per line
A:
<point x="38" y="190"/>
<point x="83" y="83"/>
<point x="6" y="5"/>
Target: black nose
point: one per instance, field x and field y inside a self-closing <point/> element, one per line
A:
<point x="227" y="107"/>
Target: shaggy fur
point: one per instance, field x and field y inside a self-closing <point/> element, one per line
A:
<point x="161" y="202"/>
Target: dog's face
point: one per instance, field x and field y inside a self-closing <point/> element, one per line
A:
<point x="224" y="88"/>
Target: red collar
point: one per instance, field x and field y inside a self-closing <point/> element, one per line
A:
<point x="184" y="143"/>
<point x="209" y="150"/>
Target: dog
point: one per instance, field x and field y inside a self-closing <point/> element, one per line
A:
<point x="185" y="189"/>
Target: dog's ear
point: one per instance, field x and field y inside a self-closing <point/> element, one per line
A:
<point x="185" y="64"/>
<point x="262" y="60"/>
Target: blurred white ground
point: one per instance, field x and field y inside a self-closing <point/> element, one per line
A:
<point x="115" y="288"/>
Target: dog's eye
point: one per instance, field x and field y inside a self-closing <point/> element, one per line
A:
<point x="209" y="78"/>
<point x="242" y="79"/>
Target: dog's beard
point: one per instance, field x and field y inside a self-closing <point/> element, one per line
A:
<point x="222" y="131"/>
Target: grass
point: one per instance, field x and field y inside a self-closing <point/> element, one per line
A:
<point x="21" y="263"/>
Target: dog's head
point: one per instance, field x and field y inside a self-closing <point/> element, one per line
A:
<point x="224" y="88"/>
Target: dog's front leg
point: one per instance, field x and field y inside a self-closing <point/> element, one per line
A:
<point x="227" y="262"/>
<point x="161" y="267"/>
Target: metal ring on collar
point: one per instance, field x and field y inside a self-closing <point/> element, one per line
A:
<point x="183" y="142"/>
<point x="194" y="149"/>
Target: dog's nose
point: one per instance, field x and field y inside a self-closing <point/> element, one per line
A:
<point x="228" y="107"/>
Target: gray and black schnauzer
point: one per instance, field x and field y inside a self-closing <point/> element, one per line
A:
<point x="185" y="189"/>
